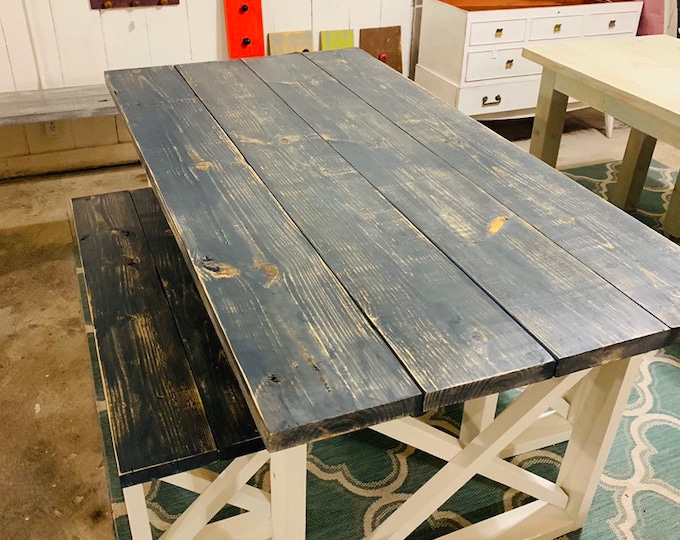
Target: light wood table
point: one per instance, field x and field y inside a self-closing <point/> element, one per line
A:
<point x="366" y="252"/>
<point x="636" y="80"/>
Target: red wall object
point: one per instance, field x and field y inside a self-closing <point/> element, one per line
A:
<point x="245" y="35"/>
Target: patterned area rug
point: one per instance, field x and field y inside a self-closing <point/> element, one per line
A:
<point x="356" y="481"/>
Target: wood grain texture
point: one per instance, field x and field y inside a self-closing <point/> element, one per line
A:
<point x="384" y="44"/>
<point x="157" y="420"/>
<point x="232" y="424"/>
<point x="32" y="106"/>
<point x="635" y="259"/>
<point x="289" y="42"/>
<point x="300" y="347"/>
<point x="576" y="315"/>
<point x="454" y="340"/>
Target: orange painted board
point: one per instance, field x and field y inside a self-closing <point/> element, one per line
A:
<point x="245" y="34"/>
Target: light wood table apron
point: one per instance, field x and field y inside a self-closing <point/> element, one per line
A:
<point x="367" y="253"/>
<point x="635" y="80"/>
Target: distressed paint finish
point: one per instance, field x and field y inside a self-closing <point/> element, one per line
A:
<point x="576" y="315"/>
<point x="310" y="363"/>
<point x="336" y="39"/>
<point x="316" y="228"/>
<point x="232" y="425"/>
<point x="632" y="257"/>
<point x="157" y="418"/>
<point x="454" y="340"/>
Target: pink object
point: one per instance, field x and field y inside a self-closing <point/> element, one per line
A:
<point x="652" y="18"/>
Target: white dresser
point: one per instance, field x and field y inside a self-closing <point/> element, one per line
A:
<point x="471" y="56"/>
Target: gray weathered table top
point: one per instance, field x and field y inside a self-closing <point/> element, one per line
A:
<point x="367" y="252"/>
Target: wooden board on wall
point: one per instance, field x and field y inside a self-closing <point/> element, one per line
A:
<point x="290" y="42"/>
<point x="384" y="44"/>
<point x="245" y="33"/>
<point x="336" y="39"/>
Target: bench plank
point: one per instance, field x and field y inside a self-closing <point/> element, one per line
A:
<point x="226" y="409"/>
<point x="632" y="257"/>
<point x="157" y="419"/>
<point x="454" y="340"/>
<point x="30" y="106"/>
<point x="594" y="322"/>
<point x="292" y="334"/>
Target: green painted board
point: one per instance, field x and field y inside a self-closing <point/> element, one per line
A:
<point x="336" y="39"/>
<point x="290" y="42"/>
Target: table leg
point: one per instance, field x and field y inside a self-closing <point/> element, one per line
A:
<point x="551" y="109"/>
<point x="477" y="415"/>
<point x="671" y="224"/>
<point x="633" y="171"/>
<point x="595" y="400"/>
<point x="596" y="412"/>
<point x="289" y="493"/>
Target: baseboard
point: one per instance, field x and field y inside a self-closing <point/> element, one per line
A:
<point x="68" y="160"/>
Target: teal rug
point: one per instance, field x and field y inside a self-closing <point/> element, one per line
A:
<point x="357" y="480"/>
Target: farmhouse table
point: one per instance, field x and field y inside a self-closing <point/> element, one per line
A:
<point x="633" y="79"/>
<point x="367" y="253"/>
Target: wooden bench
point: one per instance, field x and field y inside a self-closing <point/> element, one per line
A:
<point x="53" y="104"/>
<point x="172" y="401"/>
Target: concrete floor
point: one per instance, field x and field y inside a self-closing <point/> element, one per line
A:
<point x="51" y="456"/>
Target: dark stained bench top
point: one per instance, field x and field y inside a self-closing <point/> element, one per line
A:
<point x="360" y="251"/>
<point x="173" y="402"/>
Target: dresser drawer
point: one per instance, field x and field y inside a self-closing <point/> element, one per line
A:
<point x="497" y="64"/>
<point x="494" y="98"/>
<point x="602" y="24"/>
<point x="568" y="26"/>
<point x="486" y="33"/>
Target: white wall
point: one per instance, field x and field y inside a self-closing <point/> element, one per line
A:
<point x="53" y="43"/>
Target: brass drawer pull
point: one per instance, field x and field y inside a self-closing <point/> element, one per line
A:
<point x="499" y="32"/>
<point x="487" y="103"/>
<point x="557" y="28"/>
<point x="509" y="63"/>
<point x="612" y="23"/>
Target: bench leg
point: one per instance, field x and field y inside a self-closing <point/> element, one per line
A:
<point x="633" y="170"/>
<point x="140" y="529"/>
<point x="289" y="493"/>
<point x="216" y="496"/>
<point x="551" y="110"/>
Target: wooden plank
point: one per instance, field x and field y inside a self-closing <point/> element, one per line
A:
<point x="79" y="30"/>
<point x="126" y="40"/>
<point x="454" y="340"/>
<point x="400" y="13"/>
<point x="206" y="30"/>
<point x="157" y="420"/>
<point x="232" y="425"/>
<point x="576" y="315"/>
<point x="289" y="42"/>
<point x="300" y="347"/>
<point x="168" y="34"/>
<point x="383" y="44"/>
<point x="336" y="39"/>
<point x="629" y="255"/>
<point x="551" y="111"/>
<point x="33" y="106"/>
<point x="6" y="77"/>
<point x="42" y="35"/>
<point x="19" y="46"/>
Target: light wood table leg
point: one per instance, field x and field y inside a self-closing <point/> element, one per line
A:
<point x="671" y="224"/>
<point x="551" y="109"/>
<point x="633" y="171"/>
<point x="289" y="493"/>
